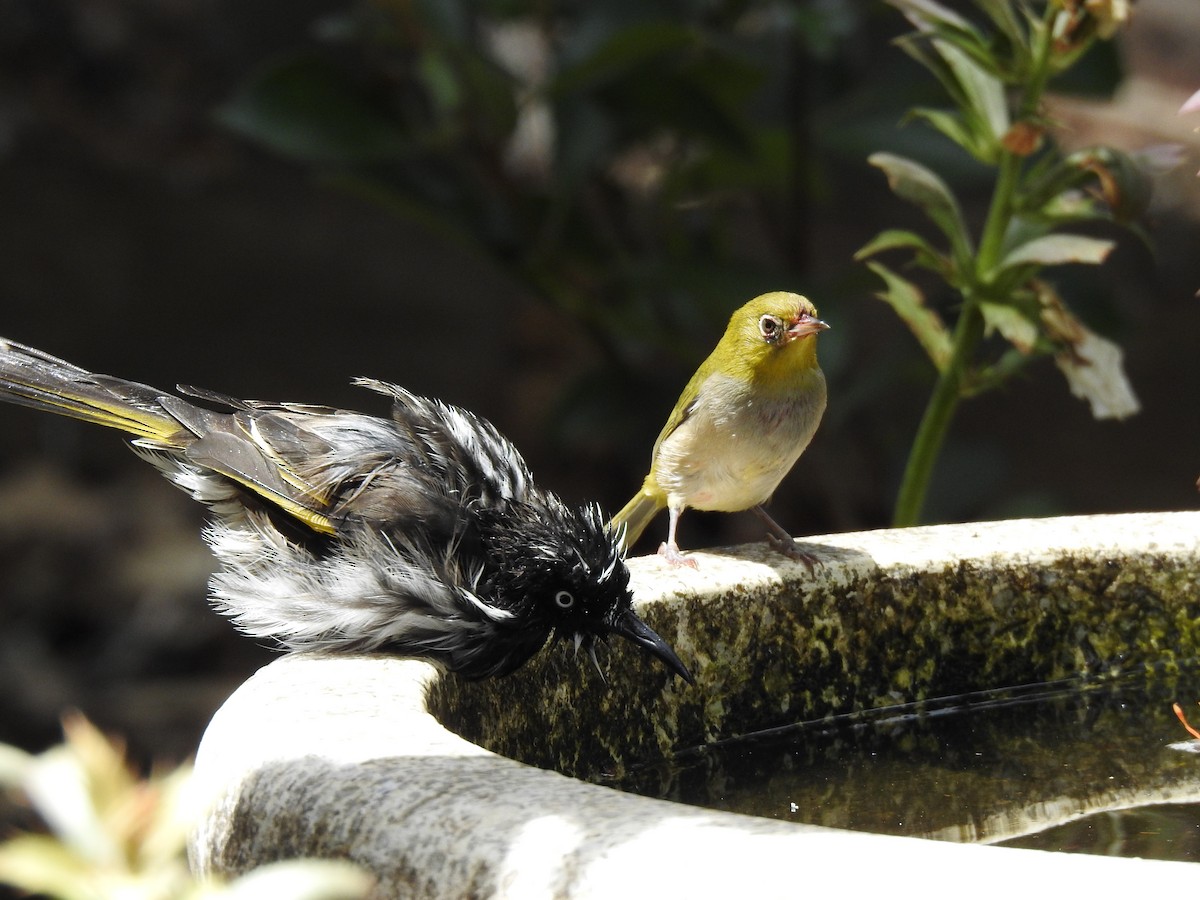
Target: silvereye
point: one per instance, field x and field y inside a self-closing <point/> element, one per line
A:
<point x="740" y="424"/>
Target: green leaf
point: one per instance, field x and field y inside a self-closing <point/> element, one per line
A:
<point x="894" y="239"/>
<point x="1072" y="207"/>
<point x="997" y="374"/>
<point x="1016" y="36"/>
<point x="1121" y="192"/>
<point x="915" y="183"/>
<point x="966" y="71"/>
<point x="1012" y="323"/>
<point x="983" y="90"/>
<point x="1057" y="250"/>
<point x="921" y="49"/>
<point x="948" y="123"/>
<point x="307" y="109"/>
<point x="1005" y="18"/>
<point x="1047" y="178"/>
<point x="924" y="253"/>
<point x="909" y="303"/>
<point x="929" y="15"/>
<point x="1124" y="185"/>
<point x="935" y="22"/>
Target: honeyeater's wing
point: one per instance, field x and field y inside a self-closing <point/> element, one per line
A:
<point x="229" y="444"/>
<point x="324" y="467"/>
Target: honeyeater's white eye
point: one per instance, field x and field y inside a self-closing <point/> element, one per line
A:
<point x="564" y="599"/>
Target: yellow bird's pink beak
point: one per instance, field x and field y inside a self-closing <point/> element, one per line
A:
<point x="806" y="325"/>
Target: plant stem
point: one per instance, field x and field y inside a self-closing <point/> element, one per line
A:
<point x="947" y="393"/>
<point x="936" y="421"/>
<point x="999" y="216"/>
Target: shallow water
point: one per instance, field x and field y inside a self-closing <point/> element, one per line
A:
<point x="1150" y="832"/>
<point x="988" y="767"/>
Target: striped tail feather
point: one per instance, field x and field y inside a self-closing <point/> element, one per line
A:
<point x="32" y="378"/>
<point x="184" y="441"/>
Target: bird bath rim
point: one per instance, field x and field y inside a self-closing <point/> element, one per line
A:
<point x="344" y="756"/>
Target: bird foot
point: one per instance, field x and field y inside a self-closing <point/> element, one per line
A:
<point x="674" y="556"/>
<point x="792" y="550"/>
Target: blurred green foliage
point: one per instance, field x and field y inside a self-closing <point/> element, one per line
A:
<point x="644" y="168"/>
<point x="108" y="833"/>
<point x="608" y="156"/>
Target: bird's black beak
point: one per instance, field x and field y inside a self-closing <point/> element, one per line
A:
<point x="628" y="625"/>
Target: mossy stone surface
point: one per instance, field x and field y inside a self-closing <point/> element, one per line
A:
<point x="889" y="617"/>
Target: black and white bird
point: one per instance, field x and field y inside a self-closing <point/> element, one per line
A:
<point x="422" y="535"/>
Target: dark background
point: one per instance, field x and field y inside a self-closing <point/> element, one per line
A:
<point x="141" y="237"/>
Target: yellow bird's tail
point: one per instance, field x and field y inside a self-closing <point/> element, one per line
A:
<point x="636" y="515"/>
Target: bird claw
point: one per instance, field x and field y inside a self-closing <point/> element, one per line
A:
<point x="791" y="550"/>
<point x="675" y="557"/>
<point x="781" y="540"/>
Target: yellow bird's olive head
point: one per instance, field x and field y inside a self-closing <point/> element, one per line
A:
<point x="771" y="335"/>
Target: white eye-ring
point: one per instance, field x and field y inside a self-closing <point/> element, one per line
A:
<point x="564" y="599"/>
<point x="770" y="327"/>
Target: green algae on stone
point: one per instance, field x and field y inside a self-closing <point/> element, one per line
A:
<point x="770" y="645"/>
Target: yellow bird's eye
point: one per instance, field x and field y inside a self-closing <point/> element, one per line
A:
<point x="770" y="327"/>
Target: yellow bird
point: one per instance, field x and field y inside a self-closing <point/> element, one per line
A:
<point x="740" y="424"/>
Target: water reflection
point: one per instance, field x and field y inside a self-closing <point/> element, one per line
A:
<point x="1149" y="832"/>
<point x="983" y="768"/>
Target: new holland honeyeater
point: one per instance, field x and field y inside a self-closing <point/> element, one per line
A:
<point x="740" y="424"/>
<point x="422" y="534"/>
